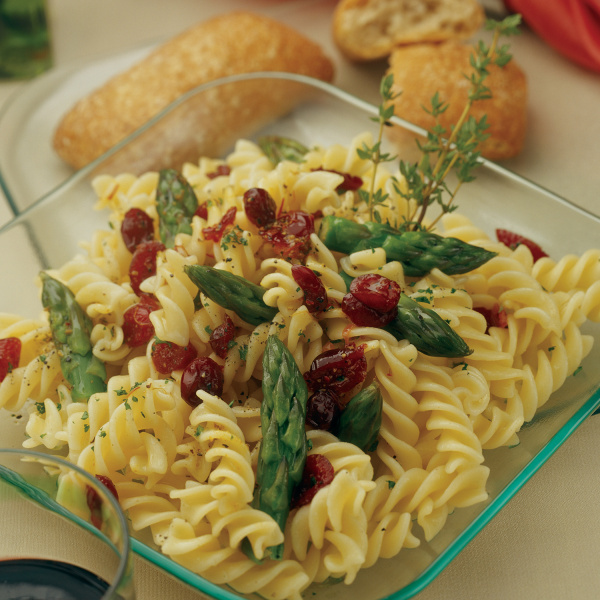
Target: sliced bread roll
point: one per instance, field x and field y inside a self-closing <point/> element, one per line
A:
<point x="421" y="70"/>
<point x="235" y="43"/>
<point x="371" y="29"/>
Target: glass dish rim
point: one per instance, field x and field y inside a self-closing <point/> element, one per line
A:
<point x="503" y="497"/>
<point x="125" y="558"/>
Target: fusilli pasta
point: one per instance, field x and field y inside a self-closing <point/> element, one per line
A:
<point x="187" y="473"/>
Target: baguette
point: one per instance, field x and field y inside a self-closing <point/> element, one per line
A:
<point x="231" y="44"/>
<point x="421" y="70"/>
<point x="370" y="29"/>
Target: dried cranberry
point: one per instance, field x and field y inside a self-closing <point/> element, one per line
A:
<point x="318" y="473"/>
<point x="203" y="373"/>
<point x="323" y="410"/>
<point x="137" y="227"/>
<point x="10" y="354"/>
<point x="143" y="263"/>
<point x="202" y="211"/>
<point x="107" y="482"/>
<point x="214" y="233"/>
<point x="364" y="316"/>
<point x="137" y="327"/>
<point x="290" y="234"/>
<point x="220" y="171"/>
<point x="315" y="295"/>
<point x="222" y="336"/>
<point x="494" y="317"/>
<point x="512" y="240"/>
<point x="351" y="183"/>
<point x="376" y="291"/>
<point x="298" y="223"/>
<point x="168" y="356"/>
<point x="94" y="501"/>
<point x="337" y="370"/>
<point x="260" y="207"/>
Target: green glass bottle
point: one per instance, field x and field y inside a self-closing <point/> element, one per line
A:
<point x="25" y="48"/>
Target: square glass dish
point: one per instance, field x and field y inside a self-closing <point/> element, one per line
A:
<point x="208" y="121"/>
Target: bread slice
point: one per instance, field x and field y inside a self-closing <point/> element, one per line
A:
<point x="370" y="29"/>
<point x="238" y="42"/>
<point x="421" y="70"/>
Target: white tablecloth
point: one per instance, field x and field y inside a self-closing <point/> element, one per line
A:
<point x="544" y="543"/>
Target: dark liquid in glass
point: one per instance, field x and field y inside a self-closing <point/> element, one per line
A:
<point x="41" y="579"/>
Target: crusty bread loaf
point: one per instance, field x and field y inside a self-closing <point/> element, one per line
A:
<point x="234" y="43"/>
<point x="209" y="121"/>
<point x="421" y="70"/>
<point x="371" y="29"/>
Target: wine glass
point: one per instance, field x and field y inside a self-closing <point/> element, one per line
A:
<point x="62" y="533"/>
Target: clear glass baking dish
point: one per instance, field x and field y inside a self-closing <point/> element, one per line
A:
<point x="207" y="121"/>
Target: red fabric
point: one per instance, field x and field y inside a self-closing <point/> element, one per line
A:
<point x="570" y="26"/>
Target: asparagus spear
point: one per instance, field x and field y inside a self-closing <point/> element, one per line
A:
<point x="360" y="420"/>
<point x="418" y="251"/>
<point x="71" y="328"/>
<point x="176" y="204"/>
<point x="423" y="328"/>
<point x="426" y="330"/>
<point x="283" y="448"/>
<point x="232" y="292"/>
<point x="278" y="148"/>
<point x="347" y="279"/>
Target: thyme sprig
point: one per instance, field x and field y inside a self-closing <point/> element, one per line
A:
<point x="459" y="150"/>
<point x="372" y="197"/>
<point x="444" y="151"/>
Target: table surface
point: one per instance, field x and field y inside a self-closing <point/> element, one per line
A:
<point x="543" y="544"/>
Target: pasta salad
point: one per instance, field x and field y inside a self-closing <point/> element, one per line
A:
<point x="273" y="389"/>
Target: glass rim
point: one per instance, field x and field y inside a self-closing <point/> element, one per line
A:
<point x="125" y="554"/>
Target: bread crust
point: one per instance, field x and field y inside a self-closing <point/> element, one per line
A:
<point x="238" y="42"/>
<point x="421" y="70"/>
<point x="370" y="29"/>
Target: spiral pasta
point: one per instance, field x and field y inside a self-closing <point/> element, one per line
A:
<point x="37" y="379"/>
<point x="175" y="292"/>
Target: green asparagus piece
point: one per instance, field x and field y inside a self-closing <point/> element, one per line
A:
<point x="347" y="279"/>
<point x="343" y="235"/>
<point x="278" y="148"/>
<point x="426" y="330"/>
<point x="283" y="449"/>
<point x="418" y="251"/>
<point x="423" y="327"/>
<point x="176" y="204"/>
<point x="71" y="328"/>
<point x="360" y="420"/>
<point x="232" y="292"/>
